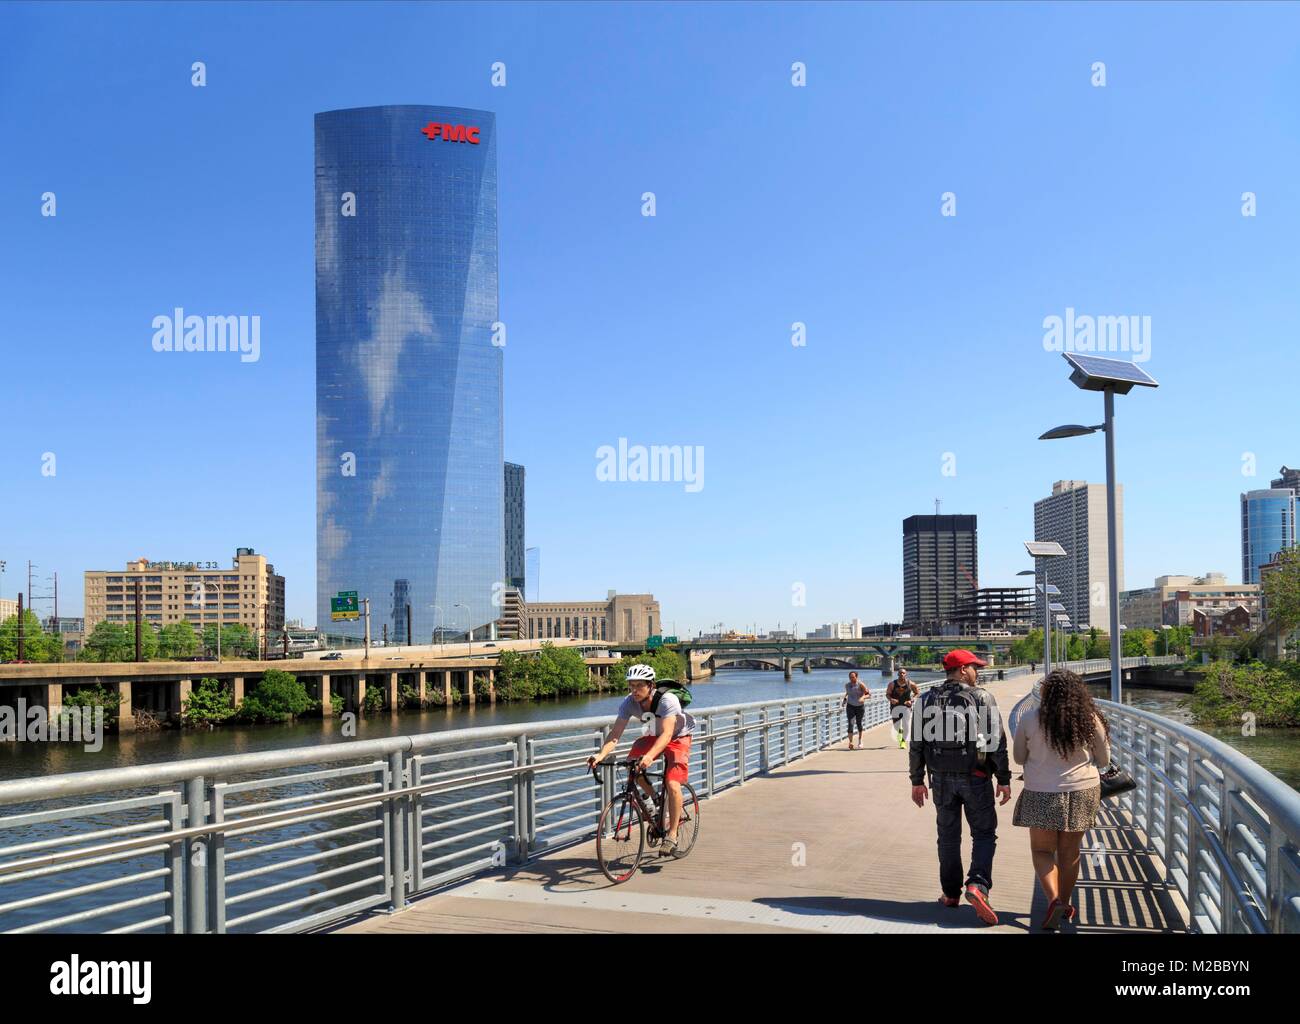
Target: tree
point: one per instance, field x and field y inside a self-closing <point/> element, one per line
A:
<point x="1138" y="643"/>
<point x="115" y="641"/>
<point x="209" y="703"/>
<point x="667" y="665"/>
<point x="177" y="640"/>
<point x="37" y="644"/>
<point x="1028" y="648"/>
<point x="1098" y="643"/>
<point x="236" y="640"/>
<point x="1281" y="588"/>
<point x="278" y="697"/>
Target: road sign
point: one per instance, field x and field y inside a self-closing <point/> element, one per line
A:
<point x="653" y="642"/>
<point x="670" y="640"/>
<point x="343" y="605"/>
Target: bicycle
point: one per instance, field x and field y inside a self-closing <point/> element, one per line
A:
<point x="628" y="824"/>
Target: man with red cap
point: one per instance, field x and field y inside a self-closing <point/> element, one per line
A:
<point x="959" y="740"/>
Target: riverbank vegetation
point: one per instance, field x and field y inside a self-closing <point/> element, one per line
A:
<point x="1227" y="691"/>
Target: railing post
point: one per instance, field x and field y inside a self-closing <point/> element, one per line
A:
<point x="196" y="880"/>
<point x="217" y="864"/>
<point x="710" y="748"/>
<point x="763" y="751"/>
<point x="396" y="834"/>
<point x="174" y="861"/>
<point x="521" y="795"/>
<point x="740" y="747"/>
<point x="785" y="734"/>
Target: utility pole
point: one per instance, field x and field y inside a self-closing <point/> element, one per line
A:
<point x="409" y="638"/>
<point x="22" y="646"/>
<point x="365" y="601"/>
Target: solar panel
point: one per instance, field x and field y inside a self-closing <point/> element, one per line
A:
<point x="1044" y="548"/>
<point x="1052" y="589"/>
<point x="1096" y="373"/>
<point x="1056" y="607"/>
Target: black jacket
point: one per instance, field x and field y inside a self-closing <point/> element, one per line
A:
<point x="995" y="761"/>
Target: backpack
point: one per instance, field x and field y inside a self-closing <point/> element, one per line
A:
<point x="679" y="691"/>
<point x="954" y="751"/>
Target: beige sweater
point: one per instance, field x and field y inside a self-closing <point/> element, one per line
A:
<point x="1046" y="771"/>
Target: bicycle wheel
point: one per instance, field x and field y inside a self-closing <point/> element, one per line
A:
<point x="620" y="839"/>
<point x="688" y="828"/>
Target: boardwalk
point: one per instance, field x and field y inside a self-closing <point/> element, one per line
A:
<point x="828" y="844"/>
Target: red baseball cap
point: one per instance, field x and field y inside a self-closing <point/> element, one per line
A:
<point x="960" y="657"/>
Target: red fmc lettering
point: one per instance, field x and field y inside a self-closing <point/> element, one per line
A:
<point x="450" y="132"/>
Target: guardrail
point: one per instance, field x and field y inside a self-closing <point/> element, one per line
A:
<point x="296" y="839"/>
<point x="1226" y="830"/>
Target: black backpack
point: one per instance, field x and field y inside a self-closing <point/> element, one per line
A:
<point x="952" y="707"/>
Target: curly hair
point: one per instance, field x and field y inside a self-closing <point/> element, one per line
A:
<point x="1068" y="713"/>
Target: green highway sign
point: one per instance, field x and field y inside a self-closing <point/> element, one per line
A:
<point x="670" y="639"/>
<point x="653" y="642"/>
<point x="344" y="605"/>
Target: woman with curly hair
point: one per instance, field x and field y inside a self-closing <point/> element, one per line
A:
<point x="1061" y="747"/>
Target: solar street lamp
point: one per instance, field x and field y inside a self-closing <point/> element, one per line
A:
<point x="1040" y="549"/>
<point x="1111" y="377"/>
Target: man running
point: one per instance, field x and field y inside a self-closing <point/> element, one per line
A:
<point x="673" y="727"/>
<point x="901" y="693"/>
<point x="854" y="702"/>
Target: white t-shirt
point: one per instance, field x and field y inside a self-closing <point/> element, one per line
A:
<point x="668" y="705"/>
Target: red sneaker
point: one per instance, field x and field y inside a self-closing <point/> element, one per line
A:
<point x="979" y="899"/>
<point x="1069" y="913"/>
<point x="950" y="901"/>
<point x="1055" y="911"/>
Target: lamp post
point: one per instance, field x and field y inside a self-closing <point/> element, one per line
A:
<point x="1039" y="550"/>
<point x="1111" y="377"/>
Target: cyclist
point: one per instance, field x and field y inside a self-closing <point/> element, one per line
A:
<point x="671" y="738"/>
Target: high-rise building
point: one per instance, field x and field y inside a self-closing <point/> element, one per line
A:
<point x="1075" y="517"/>
<point x="940" y="571"/>
<point x="514" y="515"/>
<point x="409" y="460"/>
<point x="1174" y="599"/>
<point x="1289" y="480"/>
<point x="401" y="598"/>
<point x="1267" y="528"/>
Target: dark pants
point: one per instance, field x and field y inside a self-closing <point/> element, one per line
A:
<point x="856" y="715"/>
<point x="951" y="794"/>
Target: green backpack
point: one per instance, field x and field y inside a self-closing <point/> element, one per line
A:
<point x="679" y="691"/>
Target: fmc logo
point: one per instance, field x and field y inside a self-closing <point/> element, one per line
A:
<point x="450" y="132"/>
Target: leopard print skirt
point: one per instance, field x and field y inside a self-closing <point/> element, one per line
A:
<point x="1075" y="811"/>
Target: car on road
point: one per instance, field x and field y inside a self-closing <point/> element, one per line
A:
<point x="336" y="656"/>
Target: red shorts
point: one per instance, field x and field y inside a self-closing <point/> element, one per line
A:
<point x="677" y="756"/>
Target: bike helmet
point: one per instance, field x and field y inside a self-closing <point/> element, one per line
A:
<point x="641" y="672"/>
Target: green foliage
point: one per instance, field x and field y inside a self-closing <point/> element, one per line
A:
<point x="1138" y="643"/>
<point x="1226" y="691"/>
<point x="37" y="644"/>
<point x="374" y="700"/>
<point x="409" y="696"/>
<point x="1282" y="591"/>
<point x="115" y="641"/>
<point x="177" y="640"/>
<point x="279" y="697"/>
<point x="337" y="703"/>
<point x="209" y="703"/>
<point x="667" y="665"/>
<point x="237" y="641"/>
<point x="551" y="672"/>
<point x="93" y="697"/>
<point x="1028" y="648"/>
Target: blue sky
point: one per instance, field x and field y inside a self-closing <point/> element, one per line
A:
<point x="775" y="204"/>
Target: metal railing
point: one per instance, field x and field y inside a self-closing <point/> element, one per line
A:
<point x="296" y="839"/>
<point x="1226" y="830"/>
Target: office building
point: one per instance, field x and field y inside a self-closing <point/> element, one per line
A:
<point x="1003" y="609"/>
<point x="401" y="601"/>
<point x="838" y="631"/>
<point x="1075" y="517"/>
<point x="1267" y="528"/>
<point x="249" y="593"/>
<point x="514" y="519"/>
<point x="621" y="618"/>
<point x="1289" y="480"/>
<point x="8" y="608"/>
<point x="940" y="572"/>
<point x="1174" y="600"/>
<point x="410" y="476"/>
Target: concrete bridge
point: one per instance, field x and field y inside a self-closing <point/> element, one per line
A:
<point x="712" y="654"/>
<point x="438" y="674"/>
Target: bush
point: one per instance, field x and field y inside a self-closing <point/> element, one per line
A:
<point x="209" y="703"/>
<point x="667" y="665"/>
<point x="279" y="697"/>
<point x="1271" y="692"/>
<point x="374" y="699"/>
<point x="96" y="696"/>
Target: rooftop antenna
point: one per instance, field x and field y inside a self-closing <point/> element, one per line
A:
<point x="937" y="503"/>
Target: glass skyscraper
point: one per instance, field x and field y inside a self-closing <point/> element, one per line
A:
<point x="1267" y="527"/>
<point x="514" y="484"/>
<point x="409" y="468"/>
